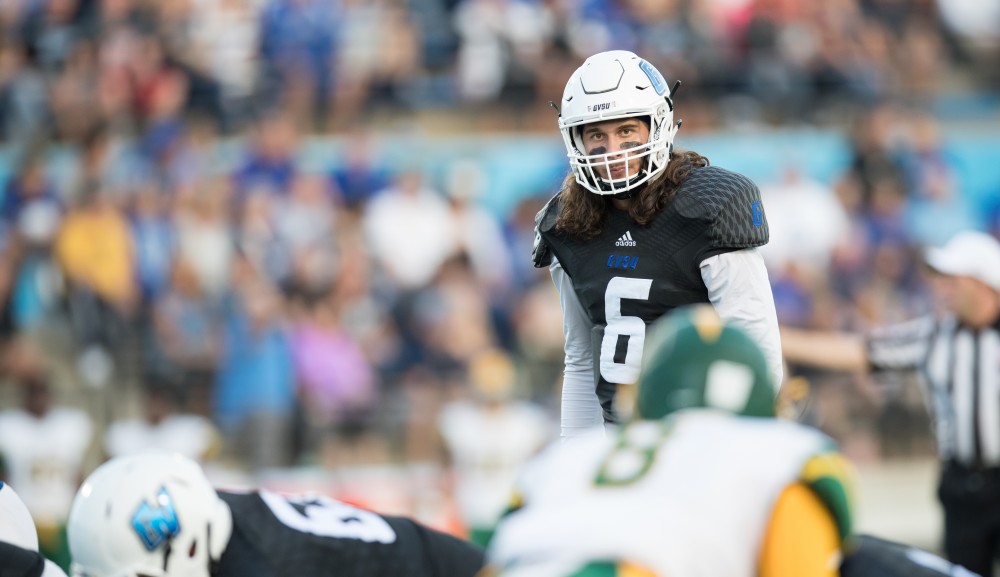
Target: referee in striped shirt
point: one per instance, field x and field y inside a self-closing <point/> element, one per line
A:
<point x="958" y="353"/>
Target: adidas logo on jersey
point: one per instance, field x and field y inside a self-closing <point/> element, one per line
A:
<point x="625" y="239"/>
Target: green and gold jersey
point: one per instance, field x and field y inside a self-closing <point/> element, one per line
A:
<point x="693" y="494"/>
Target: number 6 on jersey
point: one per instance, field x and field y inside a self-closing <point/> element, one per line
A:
<point x="630" y="327"/>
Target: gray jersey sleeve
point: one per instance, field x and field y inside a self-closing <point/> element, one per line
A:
<point x="740" y="291"/>
<point x="581" y="409"/>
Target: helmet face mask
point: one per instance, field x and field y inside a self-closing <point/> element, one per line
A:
<point x="152" y="515"/>
<point x="617" y="85"/>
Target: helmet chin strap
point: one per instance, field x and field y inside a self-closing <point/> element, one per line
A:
<point x="625" y="194"/>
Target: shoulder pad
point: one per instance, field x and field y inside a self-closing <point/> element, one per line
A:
<point x="545" y="221"/>
<point x="831" y="477"/>
<point x="729" y="203"/>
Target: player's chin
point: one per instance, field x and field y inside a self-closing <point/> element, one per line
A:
<point x="622" y="175"/>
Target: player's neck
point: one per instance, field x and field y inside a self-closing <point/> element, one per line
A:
<point x="621" y="203"/>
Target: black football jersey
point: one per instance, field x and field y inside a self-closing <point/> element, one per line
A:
<point x="869" y="556"/>
<point x="316" y="536"/>
<point x="18" y="562"/>
<point x="630" y="275"/>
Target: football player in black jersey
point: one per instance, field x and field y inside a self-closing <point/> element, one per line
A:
<point x="156" y="515"/>
<point x="639" y="229"/>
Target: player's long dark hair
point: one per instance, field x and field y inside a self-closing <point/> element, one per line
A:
<point x="583" y="213"/>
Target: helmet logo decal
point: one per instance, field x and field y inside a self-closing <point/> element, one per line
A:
<point x="758" y="213"/>
<point x="659" y="84"/>
<point x="157" y="523"/>
<point x="728" y="386"/>
<point x="600" y="106"/>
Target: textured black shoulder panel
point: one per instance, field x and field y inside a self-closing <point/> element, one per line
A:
<point x="545" y="221"/>
<point x="729" y="203"/>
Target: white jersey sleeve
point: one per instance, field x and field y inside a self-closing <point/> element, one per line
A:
<point x="581" y="410"/>
<point x="740" y="291"/>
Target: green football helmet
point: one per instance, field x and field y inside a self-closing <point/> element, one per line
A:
<point x="694" y="359"/>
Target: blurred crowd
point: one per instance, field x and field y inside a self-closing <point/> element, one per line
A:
<point x="140" y="67"/>
<point x="172" y="275"/>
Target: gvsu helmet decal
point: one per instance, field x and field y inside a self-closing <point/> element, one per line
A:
<point x="617" y="85"/>
<point x="157" y="523"/>
<point x="659" y="84"/>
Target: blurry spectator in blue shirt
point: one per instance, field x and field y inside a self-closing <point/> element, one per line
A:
<point x="255" y="384"/>
<point x="32" y="213"/>
<point x="298" y="41"/>
<point x="259" y="239"/>
<point x="270" y="161"/>
<point x="935" y="209"/>
<point x="23" y="93"/>
<point x="187" y="326"/>
<point x="154" y="240"/>
<point x="28" y="192"/>
<point x="360" y="174"/>
<point x="164" y="124"/>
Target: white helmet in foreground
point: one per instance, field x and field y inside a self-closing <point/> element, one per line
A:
<point x="149" y="515"/>
<point x="18" y="528"/>
<point x="614" y="85"/>
<point x="16" y="525"/>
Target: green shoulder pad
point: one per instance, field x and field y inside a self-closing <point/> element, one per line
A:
<point x="831" y="477"/>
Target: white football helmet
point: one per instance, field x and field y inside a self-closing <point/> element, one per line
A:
<point x="613" y="85"/>
<point x="148" y="515"/>
<point x="16" y="525"/>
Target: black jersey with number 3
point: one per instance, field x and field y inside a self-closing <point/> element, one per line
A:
<point x="315" y="536"/>
<point x="629" y="275"/>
